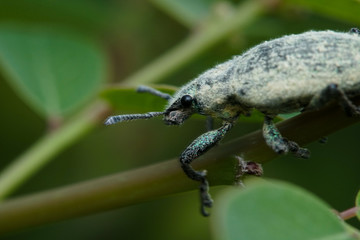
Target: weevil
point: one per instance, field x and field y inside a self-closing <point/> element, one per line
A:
<point x="299" y="72"/>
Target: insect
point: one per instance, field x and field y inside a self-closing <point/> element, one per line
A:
<point x="293" y="73"/>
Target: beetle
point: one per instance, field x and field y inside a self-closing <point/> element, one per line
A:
<point x="299" y="72"/>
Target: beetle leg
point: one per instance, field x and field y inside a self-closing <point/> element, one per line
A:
<point x="199" y="146"/>
<point x="273" y="137"/>
<point x="153" y="91"/>
<point x="330" y="93"/>
<point x="280" y="144"/>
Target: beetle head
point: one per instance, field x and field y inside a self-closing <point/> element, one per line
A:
<point x="180" y="110"/>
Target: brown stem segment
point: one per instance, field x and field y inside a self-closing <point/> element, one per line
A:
<point x="349" y="213"/>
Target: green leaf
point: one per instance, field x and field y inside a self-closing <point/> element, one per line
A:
<point x="274" y="210"/>
<point x="358" y="205"/>
<point x="347" y="10"/>
<point x="188" y="12"/>
<point x="53" y="71"/>
<point x="81" y="15"/>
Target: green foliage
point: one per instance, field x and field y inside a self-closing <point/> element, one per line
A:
<point x="276" y="211"/>
<point x="55" y="72"/>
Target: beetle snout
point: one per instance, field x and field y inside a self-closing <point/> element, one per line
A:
<point x="175" y="117"/>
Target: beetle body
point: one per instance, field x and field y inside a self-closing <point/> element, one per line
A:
<point x="278" y="76"/>
<point x="295" y="72"/>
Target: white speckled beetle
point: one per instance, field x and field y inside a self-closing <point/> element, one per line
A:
<point x="292" y="73"/>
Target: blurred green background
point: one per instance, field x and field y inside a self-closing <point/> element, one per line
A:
<point x="127" y="36"/>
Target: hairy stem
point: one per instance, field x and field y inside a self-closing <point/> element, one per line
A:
<point x="161" y="179"/>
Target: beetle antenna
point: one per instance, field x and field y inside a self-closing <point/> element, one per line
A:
<point x="128" y="117"/>
<point x="153" y="91"/>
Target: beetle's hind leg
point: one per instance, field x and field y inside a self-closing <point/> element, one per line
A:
<point x="280" y="144"/>
<point x="333" y="93"/>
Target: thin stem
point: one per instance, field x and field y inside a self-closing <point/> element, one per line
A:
<point x="349" y="213"/>
<point x="155" y="181"/>
<point x="48" y="147"/>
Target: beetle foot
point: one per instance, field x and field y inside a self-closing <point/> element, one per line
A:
<point x="281" y="146"/>
<point x="297" y="150"/>
<point x="205" y="198"/>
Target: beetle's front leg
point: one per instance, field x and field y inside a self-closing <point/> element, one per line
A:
<point x="199" y="146"/>
<point x="280" y="144"/>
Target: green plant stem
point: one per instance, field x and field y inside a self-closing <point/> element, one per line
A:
<point x="48" y="147"/>
<point x="349" y="213"/>
<point x="197" y="44"/>
<point x="161" y="179"/>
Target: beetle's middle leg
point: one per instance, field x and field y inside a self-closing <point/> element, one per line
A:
<point x="280" y="144"/>
<point x="330" y="93"/>
<point x="199" y="146"/>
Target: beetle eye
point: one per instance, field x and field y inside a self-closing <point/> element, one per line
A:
<point x="186" y="100"/>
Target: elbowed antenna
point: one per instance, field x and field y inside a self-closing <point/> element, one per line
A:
<point x="128" y="117"/>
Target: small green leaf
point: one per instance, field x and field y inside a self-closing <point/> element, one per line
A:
<point x="128" y="100"/>
<point x="188" y="12"/>
<point x="358" y="205"/>
<point x="275" y="211"/>
<point x="55" y="72"/>
<point x="347" y="10"/>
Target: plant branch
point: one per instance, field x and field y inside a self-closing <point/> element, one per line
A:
<point x="48" y="147"/>
<point x="159" y="180"/>
<point x="349" y="213"/>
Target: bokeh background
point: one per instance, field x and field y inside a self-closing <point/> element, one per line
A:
<point x="131" y="35"/>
